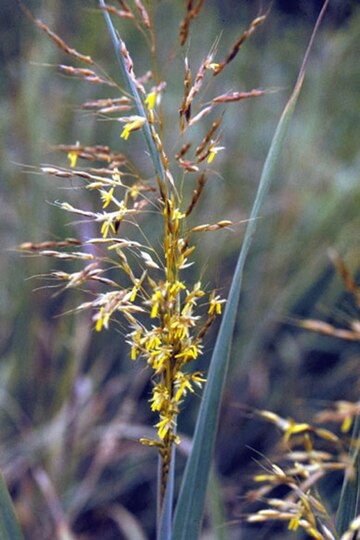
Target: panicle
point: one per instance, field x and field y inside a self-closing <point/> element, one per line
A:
<point x="301" y="469"/>
<point x="166" y="318"/>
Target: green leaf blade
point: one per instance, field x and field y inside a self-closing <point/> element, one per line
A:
<point x="189" y="509"/>
<point x="164" y="525"/>
<point x="193" y="489"/>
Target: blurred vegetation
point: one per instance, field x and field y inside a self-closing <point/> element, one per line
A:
<point x="72" y="403"/>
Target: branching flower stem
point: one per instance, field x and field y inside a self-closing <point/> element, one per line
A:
<point x="167" y="318"/>
<point x="171" y="252"/>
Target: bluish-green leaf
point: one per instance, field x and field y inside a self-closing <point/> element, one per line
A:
<point x="189" y="509"/>
<point x="166" y="508"/>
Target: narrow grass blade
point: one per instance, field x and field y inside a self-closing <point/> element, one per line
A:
<point x="154" y="154"/>
<point x="166" y="509"/>
<point x="9" y="528"/>
<point x="350" y="493"/>
<point x="189" y="509"/>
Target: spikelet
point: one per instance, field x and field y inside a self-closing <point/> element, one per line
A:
<point x="197" y="193"/>
<point x="102" y="104"/>
<point x="238" y="96"/>
<point x="143" y="13"/>
<point x="62" y="45"/>
<point x="124" y="13"/>
<point x="86" y="74"/>
<point x="67" y="242"/>
<point x="191" y="92"/>
<point x="239" y="42"/>
<point x="192" y="11"/>
<point x="208" y="136"/>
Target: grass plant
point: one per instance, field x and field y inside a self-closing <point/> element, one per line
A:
<point x="130" y="254"/>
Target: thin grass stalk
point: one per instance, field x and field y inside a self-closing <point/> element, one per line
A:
<point x="165" y="503"/>
<point x="154" y="154"/>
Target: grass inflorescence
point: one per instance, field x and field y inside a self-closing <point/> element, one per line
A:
<point x="138" y="281"/>
<point x="166" y="315"/>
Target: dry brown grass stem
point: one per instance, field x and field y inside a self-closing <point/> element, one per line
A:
<point x="327" y="329"/>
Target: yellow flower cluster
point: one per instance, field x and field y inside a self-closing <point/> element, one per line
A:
<point x="172" y="337"/>
<point x="167" y="324"/>
<point x="168" y="347"/>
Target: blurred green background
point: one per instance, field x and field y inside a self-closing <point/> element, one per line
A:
<point x="72" y="404"/>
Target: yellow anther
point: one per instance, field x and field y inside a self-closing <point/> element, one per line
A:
<point x="151" y="100"/>
<point x="135" y="123"/>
